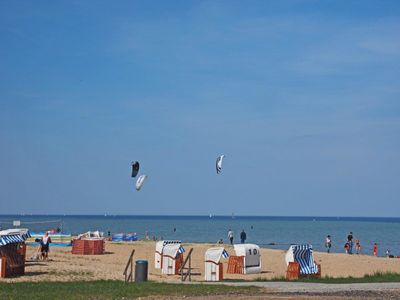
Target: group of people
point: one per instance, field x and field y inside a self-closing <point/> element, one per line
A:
<point x="243" y="237"/>
<point x="348" y="246"/>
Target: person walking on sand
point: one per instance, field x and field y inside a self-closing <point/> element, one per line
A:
<point x="45" y="246"/>
<point x="375" y="249"/>
<point x="243" y="236"/>
<point x="230" y="236"/>
<point x="328" y="243"/>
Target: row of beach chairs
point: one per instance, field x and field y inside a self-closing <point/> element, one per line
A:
<point x="247" y="260"/>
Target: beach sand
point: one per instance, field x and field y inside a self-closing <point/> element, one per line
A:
<point x="64" y="266"/>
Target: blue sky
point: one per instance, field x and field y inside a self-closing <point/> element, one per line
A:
<point x="303" y="98"/>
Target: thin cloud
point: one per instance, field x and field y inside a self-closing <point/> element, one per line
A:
<point x="352" y="48"/>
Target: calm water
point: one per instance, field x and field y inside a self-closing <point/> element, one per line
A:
<point x="281" y="231"/>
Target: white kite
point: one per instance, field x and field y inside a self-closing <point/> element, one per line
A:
<point x="140" y="182"/>
<point x="218" y="163"/>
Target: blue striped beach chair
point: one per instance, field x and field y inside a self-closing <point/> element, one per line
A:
<point x="13" y="252"/>
<point x="303" y="256"/>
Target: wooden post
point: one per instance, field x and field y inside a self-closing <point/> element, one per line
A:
<point x="188" y="258"/>
<point x="132" y="269"/>
<point x="190" y="268"/>
<point x="129" y="264"/>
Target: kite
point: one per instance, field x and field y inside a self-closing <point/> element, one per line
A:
<point x="135" y="168"/>
<point x="140" y="182"/>
<point x="218" y="164"/>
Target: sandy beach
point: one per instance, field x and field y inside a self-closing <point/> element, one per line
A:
<point x="64" y="266"/>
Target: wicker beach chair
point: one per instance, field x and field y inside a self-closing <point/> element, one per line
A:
<point x="300" y="262"/>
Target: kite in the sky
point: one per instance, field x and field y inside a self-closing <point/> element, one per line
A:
<point x="218" y="163"/>
<point x="135" y="168"/>
<point x="140" y="182"/>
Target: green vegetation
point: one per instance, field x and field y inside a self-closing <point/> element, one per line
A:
<point x="79" y="290"/>
<point x="105" y="290"/>
<point x="376" y="277"/>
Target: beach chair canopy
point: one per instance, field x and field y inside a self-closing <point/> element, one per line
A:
<point x="10" y="236"/>
<point x="303" y="255"/>
<point x="159" y="251"/>
<point x="161" y="244"/>
<point x="91" y="234"/>
<point x="214" y="254"/>
<point x="172" y="250"/>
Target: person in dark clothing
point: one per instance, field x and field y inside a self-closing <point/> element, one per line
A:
<point x="243" y="236"/>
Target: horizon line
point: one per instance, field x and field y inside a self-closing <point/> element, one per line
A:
<point x="190" y="215"/>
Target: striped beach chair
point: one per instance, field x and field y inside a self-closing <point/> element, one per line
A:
<point x="299" y="259"/>
<point x="13" y="252"/>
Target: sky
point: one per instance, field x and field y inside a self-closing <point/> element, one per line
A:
<point x="302" y="98"/>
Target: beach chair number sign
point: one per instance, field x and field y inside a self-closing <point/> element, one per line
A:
<point x="254" y="252"/>
<point x="252" y="258"/>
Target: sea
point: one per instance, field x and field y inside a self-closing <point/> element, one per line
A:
<point x="266" y="231"/>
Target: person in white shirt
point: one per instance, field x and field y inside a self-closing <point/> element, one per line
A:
<point x="44" y="246"/>
<point x="328" y="243"/>
<point x="230" y="236"/>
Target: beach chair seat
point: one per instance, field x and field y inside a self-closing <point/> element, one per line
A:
<point x="235" y="264"/>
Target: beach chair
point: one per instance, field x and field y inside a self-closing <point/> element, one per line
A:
<point x="172" y="259"/>
<point x="300" y="262"/>
<point x="158" y="256"/>
<point x="246" y="261"/>
<point x="214" y="270"/>
<point x="13" y="252"/>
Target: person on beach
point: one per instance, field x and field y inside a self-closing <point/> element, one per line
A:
<point x="45" y="246"/>
<point x="243" y="236"/>
<point x="358" y="247"/>
<point x="387" y="252"/>
<point x="328" y="243"/>
<point x="350" y="242"/>
<point x="346" y="248"/>
<point x="375" y="249"/>
<point x="230" y="236"/>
